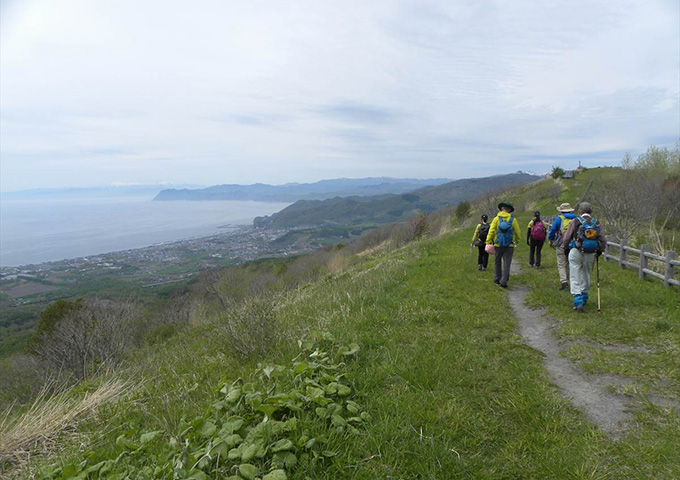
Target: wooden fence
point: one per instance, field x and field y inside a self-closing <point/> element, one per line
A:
<point x="644" y="257"/>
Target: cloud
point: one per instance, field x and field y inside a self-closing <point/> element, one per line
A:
<point x="356" y="113"/>
<point x="239" y="92"/>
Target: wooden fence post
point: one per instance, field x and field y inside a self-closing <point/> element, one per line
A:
<point x="622" y="253"/>
<point x="606" y="252"/>
<point x="643" y="261"/>
<point x="670" y="255"/>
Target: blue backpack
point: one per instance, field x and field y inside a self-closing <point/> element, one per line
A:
<point x="588" y="235"/>
<point x="504" y="236"/>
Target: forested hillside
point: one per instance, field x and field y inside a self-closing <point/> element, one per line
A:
<point x="388" y="208"/>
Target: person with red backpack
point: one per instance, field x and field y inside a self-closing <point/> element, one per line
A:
<point x="536" y="234"/>
<point x="479" y="241"/>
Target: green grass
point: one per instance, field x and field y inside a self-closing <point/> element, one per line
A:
<point x="635" y="313"/>
<point x="452" y="390"/>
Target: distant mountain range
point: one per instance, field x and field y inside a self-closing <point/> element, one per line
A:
<point x="91" y="192"/>
<point x="377" y="209"/>
<point x="291" y="192"/>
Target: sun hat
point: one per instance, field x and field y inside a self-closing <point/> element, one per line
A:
<point x="507" y="205"/>
<point x="565" y="208"/>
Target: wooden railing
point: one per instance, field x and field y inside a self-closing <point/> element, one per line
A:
<point x="644" y="257"/>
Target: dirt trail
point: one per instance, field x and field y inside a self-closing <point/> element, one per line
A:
<point x="589" y="393"/>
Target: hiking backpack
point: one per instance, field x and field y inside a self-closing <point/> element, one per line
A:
<point x="588" y="235"/>
<point x="504" y="236"/>
<point x="483" y="231"/>
<point x="538" y="231"/>
<point x="564" y="225"/>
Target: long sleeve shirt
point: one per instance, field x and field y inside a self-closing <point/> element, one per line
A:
<point x="557" y="225"/>
<point x="493" y="230"/>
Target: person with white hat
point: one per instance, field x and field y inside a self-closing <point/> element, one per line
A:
<point x="557" y="231"/>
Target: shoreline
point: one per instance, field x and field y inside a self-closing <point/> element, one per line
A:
<point x="232" y="230"/>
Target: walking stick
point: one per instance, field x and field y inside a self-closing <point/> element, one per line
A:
<point x="599" y="299"/>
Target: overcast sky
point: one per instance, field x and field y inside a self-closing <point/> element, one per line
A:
<point x="95" y="92"/>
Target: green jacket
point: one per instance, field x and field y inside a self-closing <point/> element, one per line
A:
<point x="491" y="238"/>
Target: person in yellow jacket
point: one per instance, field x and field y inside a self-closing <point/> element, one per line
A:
<point x="504" y="234"/>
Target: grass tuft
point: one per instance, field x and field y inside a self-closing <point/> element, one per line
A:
<point x="36" y="430"/>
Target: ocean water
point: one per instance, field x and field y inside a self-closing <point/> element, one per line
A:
<point x="36" y="231"/>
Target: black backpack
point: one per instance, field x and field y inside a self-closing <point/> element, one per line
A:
<point x="483" y="231"/>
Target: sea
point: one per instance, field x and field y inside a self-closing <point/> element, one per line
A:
<point x="44" y="230"/>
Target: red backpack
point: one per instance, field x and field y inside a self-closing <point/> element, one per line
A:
<point x="538" y="231"/>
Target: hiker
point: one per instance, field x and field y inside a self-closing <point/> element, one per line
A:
<point x="583" y="240"/>
<point x="536" y="233"/>
<point x="504" y="235"/>
<point x="557" y="231"/>
<point x="479" y="241"/>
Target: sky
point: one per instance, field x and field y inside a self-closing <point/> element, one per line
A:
<point x="100" y="92"/>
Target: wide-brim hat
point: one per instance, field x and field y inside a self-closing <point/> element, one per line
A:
<point x="565" y="208"/>
<point x="507" y="205"/>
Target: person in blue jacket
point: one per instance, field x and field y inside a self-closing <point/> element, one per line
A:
<point x="557" y="231"/>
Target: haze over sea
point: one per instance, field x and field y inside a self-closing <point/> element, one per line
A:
<point x="43" y="230"/>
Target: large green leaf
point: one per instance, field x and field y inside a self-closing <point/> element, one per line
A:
<point x="248" y="471"/>
<point x="277" y="474"/>
<point x="282" y="445"/>
<point x="284" y="460"/>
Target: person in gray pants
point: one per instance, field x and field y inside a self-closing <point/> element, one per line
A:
<point x="504" y="235"/>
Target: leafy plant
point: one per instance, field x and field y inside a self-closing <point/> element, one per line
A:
<point x="257" y="429"/>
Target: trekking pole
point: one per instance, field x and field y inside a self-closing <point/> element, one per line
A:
<point x="599" y="299"/>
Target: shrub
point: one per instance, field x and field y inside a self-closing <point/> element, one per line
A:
<point x="463" y="211"/>
<point x="557" y="172"/>
<point x="249" y="327"/>
<point x="84" y="339"/>
<point x="421" y="226"/>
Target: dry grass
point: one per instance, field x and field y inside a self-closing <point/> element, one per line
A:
<point x="35" y="431"/>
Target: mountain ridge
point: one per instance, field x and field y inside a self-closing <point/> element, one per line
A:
<point x="380" y="209"/>
<point x="323" y="189"/>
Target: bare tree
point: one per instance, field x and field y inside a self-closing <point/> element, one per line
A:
<point x="88" y="338"/>
<point x="626" y="202"/>
<point x="490" y="200"/>
<point x="555" y="191"/>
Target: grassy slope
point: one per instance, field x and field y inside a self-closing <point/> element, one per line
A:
<point x="452" y="390"/>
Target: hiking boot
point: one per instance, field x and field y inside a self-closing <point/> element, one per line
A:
<point x="483" y="269"/>
<point x="479" y="267"/>
<point x="564" y="286"/>
<point x="579" y="309"/>
<point x="503" y="285"/>
<point x="497" y="282"/>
